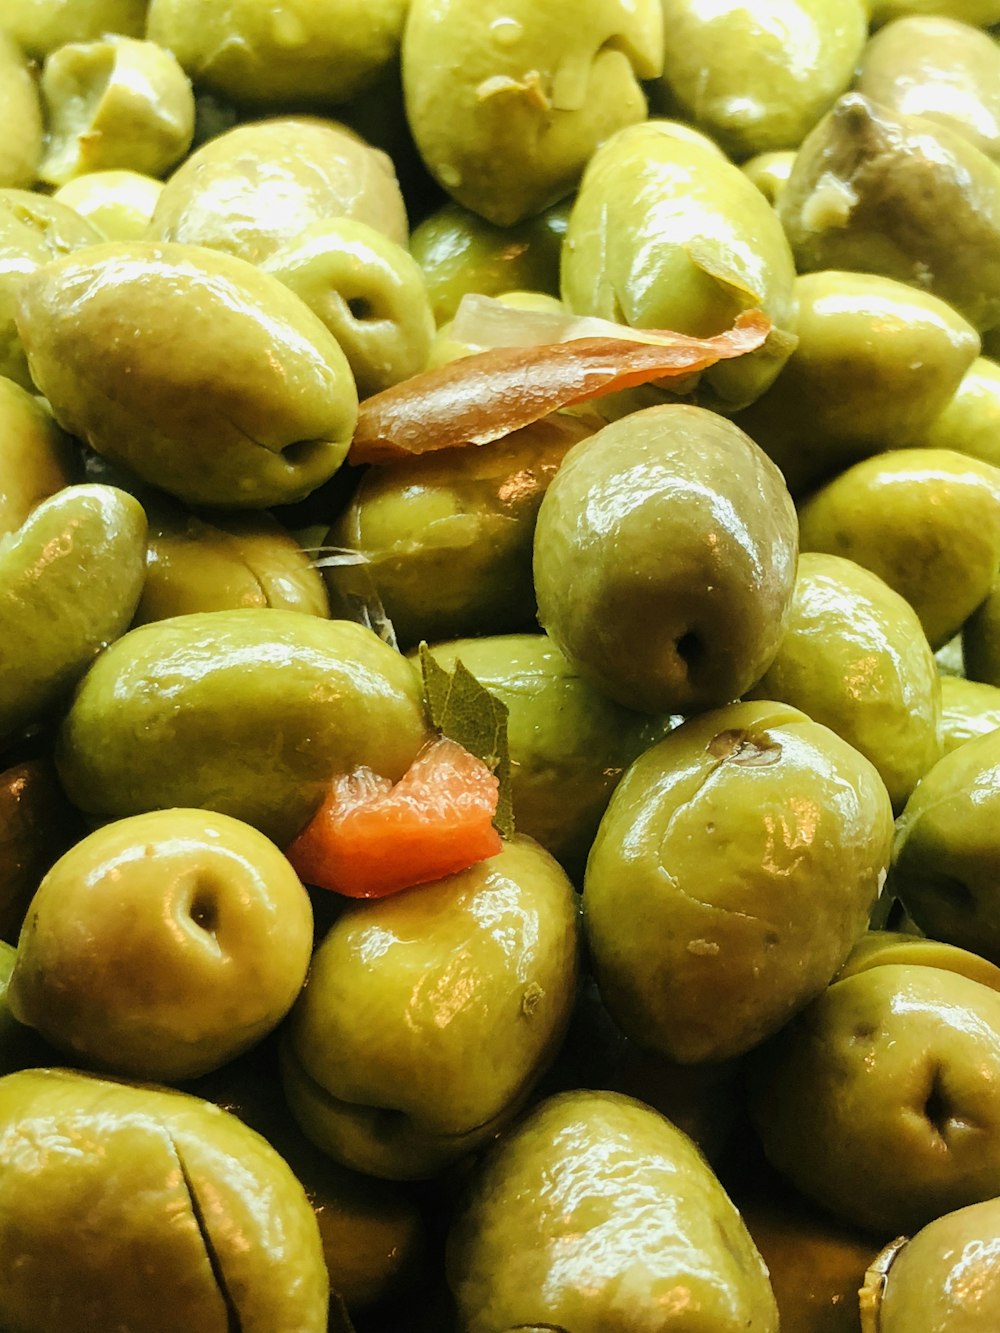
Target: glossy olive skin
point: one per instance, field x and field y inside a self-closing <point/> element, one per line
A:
<point x="224" y="561"/>
<point x="944" y="1280"/>
<point x="460" y="252"/>
<point x="114" y="103"/>
<point x="667" y="233"/>
<point x="399" y="1070"/>
<point x="20" y="109"/>
<point x="163" y="945"/>
<point x="40" y="26"/>
<point x="878" y="1101"/>
<point x="313" y="51"/>
<point x="536" y="87"/>
<point x="120" y="203"/>
<point x="447" y="537"/>
<point x="589" y="1187"/>
<point x="879" y="192"/>
<point x="670" y="595"/>
<point x="735" y="867"/>
<point x="569" y="744"/>
<point x="33" y="230"/>
<point x="981" y="640"/>
<point x="970" y="421"/>
<point x="37" y="824"/>
<point x="192" y="1220"/>
<point x="368" y="291"/>
<point x="945" y="862"/>
<point x="877" y="363"/>
<point x="939" y="68"/>
<point x="969" y="708"/>
<point x="233" y="393"/>
<point x="246" y="712"/>
<point x="769" y="172"/>
<point x="877" y="948"/>
<point x="758" y="77"/>
<point x="927" y="521"/>
<point x="223" y="195"/>
<point x="36" y="458"/>
<point x="982" y="13"/>
<point x="855" y="658"/>
<point x="70" y="579"/>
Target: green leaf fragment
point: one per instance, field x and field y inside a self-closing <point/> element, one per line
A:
<point x="465" y="711"/>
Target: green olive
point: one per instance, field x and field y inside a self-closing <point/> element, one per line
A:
<point x="368" y="291"/>
<point x="116" y="103"/>
<point x="247" y="712"/>
<point x="21" y="112"/>
<point x="533" y="88"/>
<point x="199" y="372"/>
<point x="735" y="868"/>
<point x="224" y="195"/>
<point x="303" y="51"/>
<point x="120" y="203"/>
<point x="40" y="26"/>
<point x="671" y="593"/>
<point x="758" y="77"/>
<point x="969" y="708"/>
<point x="194" y="1221"/>
<point x="37" y="824"/>
<point x="981" y="640"/>
<point x="666" y="233"/>
<point x="36" y="458"/>
<point x="70" y="578"/>
<point x="769" y="172"/>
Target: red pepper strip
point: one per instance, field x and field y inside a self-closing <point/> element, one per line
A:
<point x="484" y="397"/>
<point x="371" y="838"/>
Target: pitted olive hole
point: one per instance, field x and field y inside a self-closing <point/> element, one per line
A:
<point x="863" y="1032"/>
<point x="690" y="650"/>
<point x="938" y="1109"/>
<point x="205" y="912"/>
<point x="361" y="308"/>
<point x="302" y="453"/>
<point x="740" y="747"/>
<point x="956" y="892"/>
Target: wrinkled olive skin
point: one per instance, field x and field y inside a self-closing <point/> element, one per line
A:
<point x="876" y="948"/>
<point x="192" y="1220"/>
<point x="368" y="291"/>
<point x="120" y="203"/>
<point x="969" y="708"/>
<point x="589" y="1187"/>
<point x="938" y="68"/>
<point x="402" y="1069"/>
<point x="946" y="862"/>
<point x="671" y="594"/>
<point x="37" y="824"/>
<point x="757" y="77"/>
<point x="569" y="744"/>
<point x="21" y="112"/>
<point x="460" y="252"/>
<point x="879" y="1100"/>
<point x="163" y="945"/>
<point x="40" y="26"/>
<point x="249" y="713"/>
<point x="970" y="421"/>
<point x="539" y="86"/>
<point x="374" y="1237"/>
<point x="70" y="579"/>
<point x="927" y="521"/>
<point x="33" y="230"/>
<point x="877" y="363"/>
<point x="878" y="192"/>
<point x="447" y="537"/>
<point x="315" y="51"/>
<point x="223" y="195"/>
<point x="116" y="103"/>
<point x="945" y="1280"/>
<point x="666" y="233"/>
<point x="36" y="458"/>
<point x="222" y="562"/>
<point x="855" y="658"/>
<point x="981" y="640"/>
<point x="707" y="928"/>
<point x="194" y="369"/>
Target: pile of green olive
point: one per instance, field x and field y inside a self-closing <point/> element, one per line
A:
<point x="713" y="1042"/>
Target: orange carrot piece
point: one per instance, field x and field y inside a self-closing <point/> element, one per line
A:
<point x="484" y="397"/>
<point x="371" y="837"/>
